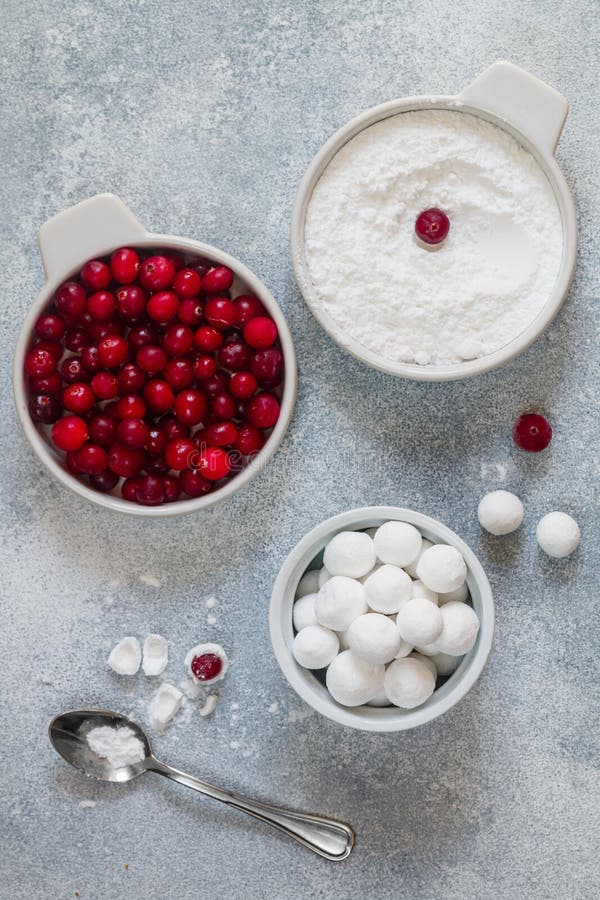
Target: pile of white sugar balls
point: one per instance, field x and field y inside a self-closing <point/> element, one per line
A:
<point x="501" y="512"/>
<point x="386" y="615"/>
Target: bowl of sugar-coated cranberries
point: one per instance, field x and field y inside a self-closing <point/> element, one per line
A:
<point x="154" y="375"/>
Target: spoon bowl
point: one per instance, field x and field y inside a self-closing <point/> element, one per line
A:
<point x="68" y="734"/>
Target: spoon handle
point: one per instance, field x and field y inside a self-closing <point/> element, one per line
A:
<point x="327" y="837"/>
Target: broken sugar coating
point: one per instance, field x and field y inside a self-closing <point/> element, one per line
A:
<point x="164" y="705"/>
<point x="126" y="657"/>
<point x="206" y="663"/>
<point x="120" y="746"/>
<point x="156" y="655"/>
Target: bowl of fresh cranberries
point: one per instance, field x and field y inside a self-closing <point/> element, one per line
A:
<point x="153" y="375"/>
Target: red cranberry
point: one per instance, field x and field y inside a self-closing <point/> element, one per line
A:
<point x="156" y="466"/>
<point x="190" y="312"/>
<point x="125" y="461"/>
<point x="101" y="306"/>
<point x="532" y="432"/>
<point x="216" y="280"/>
<point x="267" y="365"/>
<point x="178" y="340"/>
<point x="216" y="384"/>
<point x="190" y="407"/>
<point x="176" y="258"/>
<point x="249" y="440"/>
<point x="262" y="411"/>
<point x="220" y="313"/>
<point x="151" y="359"/>
<point x="72" y="464"/>
<point x="133" y="433"/>
<point x="163" y="307"/>
<point x="105" y="481"/>
<point x="53" y="348"/>
<point x="131" y="379"/>
<point x="214" y="463"/>
<point x="157" y="273"/>
<point x="247" y="307"/>
<point x="432" y="226"/>
<point x="95" y="274"/>
<point x="179" y="373"/>
<point x="72" y="370"/>
<point x="131" y="302"/>
<point x="90" y="358"/>
<point x="70" y="433"/>
<point x="243" y="385"/>
<point x="206" y="667"/>
<point x="76" y="339"/>
<point x="234" y="356"/>
<point x="113" y="351"/>
<point x="131" y="406"/>
<point x="172" y="427"/>
<point x="124" y="265"/>
<point x="180" y="453"/>
<point x="71" y="300"/>
<point x="150" y="490"/>
<point x="44" y="408"/>
<point x="223" y="406"/>
<point x="39" y="363"/>
<point x="207" y="338"/>
<point x="78" y="397"/>
<point x="128" y="489"/>
<point x="91" y="459"/>
<point x="172" y="488"/>
<point x="204" y="367"/>
<point x="159" y="396"/>
<point x="193" y="483"/>
<point x="156" y="442"/>
<point x="260" y="332"/>
<point x="102" y="429"/>
<point x="220" y="434"/>
<point x="112" y="409"/>
<point x="187" y="283"/>
<point x="141" y="335"/>
<point x="50" y="327"/>
<point x="105" y="385"/>
<point x="48" y="384"/>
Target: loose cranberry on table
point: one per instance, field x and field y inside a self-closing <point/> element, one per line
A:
<point x="159" y="384"/>
<point x="432" y="226"/>
<point x="532" y="432"/>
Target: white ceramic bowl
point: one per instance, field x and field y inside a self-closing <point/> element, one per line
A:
<point x="529" y="110"/>
<point x="307" y="553"/>
<point x="94" y="228"/>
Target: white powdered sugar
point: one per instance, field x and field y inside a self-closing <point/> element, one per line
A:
<point x="119" y="745"/>
<point x="473" y="293"/>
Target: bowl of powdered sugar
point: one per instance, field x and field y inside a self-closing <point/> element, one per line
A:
<point x="482" y="291"/>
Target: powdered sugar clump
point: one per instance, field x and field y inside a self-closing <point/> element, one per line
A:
<point x="477" y="290"/>
<point x="120" y="746"/>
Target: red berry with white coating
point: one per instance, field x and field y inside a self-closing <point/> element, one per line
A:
<point x="206" y="667"/>
<point x="432" y="226"/>
<point x="532" y="432"/>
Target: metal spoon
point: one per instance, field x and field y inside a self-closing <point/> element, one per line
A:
<point x="327" y="837"/>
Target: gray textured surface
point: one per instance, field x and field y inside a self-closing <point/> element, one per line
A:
<point x="202" y="117"/>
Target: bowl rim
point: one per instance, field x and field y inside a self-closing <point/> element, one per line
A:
<point x="192" y="504"/>
<point x="305" y="683"/>
<point x="433" y="373"/>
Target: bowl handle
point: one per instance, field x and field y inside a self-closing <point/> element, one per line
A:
<point x="531" y="105"/>
<point x="77" y="233"/>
